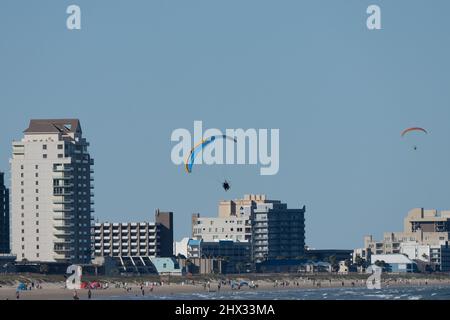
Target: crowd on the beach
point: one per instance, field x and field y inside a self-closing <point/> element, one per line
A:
<point x="144" y="288"/>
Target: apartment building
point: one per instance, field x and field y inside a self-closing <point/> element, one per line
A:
<point x="232" y="223"/>
<point x="135" y="239"/>
<point x="269" y="226"/>
<point x="52" y="196"/>
<point x="277" y="232"/>
<point x="4" y="216"/>
<point x="424" y="237"/>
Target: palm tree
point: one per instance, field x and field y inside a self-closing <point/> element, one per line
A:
<point x="360" y="262"/>
<point x="381" y="263"/>
<point x="239" y="267"/>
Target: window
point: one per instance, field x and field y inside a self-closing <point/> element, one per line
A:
<point x="44" y="156"/>
<point x="60" y="155"/>
<point x="37" y="230"/>
<point x="60" y="146"/>
<point x="44" y="147"/>
<point x="36" y="167"/>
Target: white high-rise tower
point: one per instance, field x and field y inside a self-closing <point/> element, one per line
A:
<point x="51" y="193"/>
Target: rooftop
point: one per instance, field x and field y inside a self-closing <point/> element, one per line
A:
<point x="54" y="126"/>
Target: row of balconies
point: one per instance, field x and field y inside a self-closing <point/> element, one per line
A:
<point x="62" y="200"/>
<point x="124" y="244"/>
<point x="59" y="224"/>
<point x="124" y="251"/>
<point x="114" y="230"/>
<point x="63" y="217"/>
<point x="126" y="237"/>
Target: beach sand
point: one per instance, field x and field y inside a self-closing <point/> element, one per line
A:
<point x="56" y="291"/>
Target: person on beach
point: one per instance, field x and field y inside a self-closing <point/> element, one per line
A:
<point x="17" y="294"/>
<point x="89" y="294"/>
<point x="75" y="295"/>
<point x="218" y="286"/>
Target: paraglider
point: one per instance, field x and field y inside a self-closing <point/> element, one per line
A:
<point x="413" y="129"/>
<point x="226" y="185"/>
<point x="202" y="145"/>
<point x="404" y="132"/>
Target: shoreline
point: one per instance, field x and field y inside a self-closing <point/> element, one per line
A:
<point x="55" y="290"/>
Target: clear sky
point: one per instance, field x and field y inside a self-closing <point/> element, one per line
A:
<point x="339" y="93"/>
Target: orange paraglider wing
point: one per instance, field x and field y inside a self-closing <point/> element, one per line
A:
<point x="413" y="129"/>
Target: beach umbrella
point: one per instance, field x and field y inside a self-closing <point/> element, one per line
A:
<point x="21" y="286"/>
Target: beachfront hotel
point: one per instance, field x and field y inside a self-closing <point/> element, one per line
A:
<point x="4" y="216"/>
<point x="135" y="239"/>
<point x="136" y="247"/>
<point x="51" y="188"/>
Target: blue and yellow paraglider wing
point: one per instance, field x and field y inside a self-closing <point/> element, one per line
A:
<point x="199" y="147"/>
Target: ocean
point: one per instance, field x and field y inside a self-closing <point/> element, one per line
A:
<point x="392" y="293"/>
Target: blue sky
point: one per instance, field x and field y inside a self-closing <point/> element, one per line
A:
<point x="339" y="93"/>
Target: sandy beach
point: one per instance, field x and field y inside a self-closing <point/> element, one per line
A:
<point x="56" y="291"/>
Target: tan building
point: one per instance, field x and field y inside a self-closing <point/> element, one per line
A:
<point x="233" y="221"/>
<point x="52" y="193"/>
<point x="421" y="227"/>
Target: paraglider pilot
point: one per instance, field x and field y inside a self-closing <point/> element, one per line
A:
<point x="226" y="185"/>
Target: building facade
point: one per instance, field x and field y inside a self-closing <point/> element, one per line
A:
<point x="272" y="230"/>
<point x="232" y="223"/>
<point x="164" y="222"/>
<point x="4" y="216"/>
<point x="51" y="187"/>
<point x="397" y="263"/>
<point x="236" y="255"/>
<point x="277" y="232"/>
<point x="135" y="239"/>
<point x="424" y="237"/>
